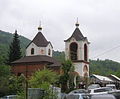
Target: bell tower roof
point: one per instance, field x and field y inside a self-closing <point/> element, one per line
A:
<point x="77" y="34"/>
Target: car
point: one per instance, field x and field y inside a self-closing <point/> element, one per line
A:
<point x="116" y="93"/>
<point x="9" y="97"/>
<point x="111" y="86"/>
<point x="78" y="96"/>
<point x="101" y="90"/>
<point x="78" y="91"/>
<point x="103" y="96"/>
<point x="92" y="86"/>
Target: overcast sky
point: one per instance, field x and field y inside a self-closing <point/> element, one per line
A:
<point x="99" y="21"/>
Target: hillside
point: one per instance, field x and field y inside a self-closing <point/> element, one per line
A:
<point x="5" y="40"/>
<point x="102" y="67"/>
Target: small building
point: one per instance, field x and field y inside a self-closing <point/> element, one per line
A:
<point x="38" y="57"/>
<point x="100" y="79"/>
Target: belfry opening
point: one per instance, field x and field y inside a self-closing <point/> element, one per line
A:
<point x="73" y="51"/>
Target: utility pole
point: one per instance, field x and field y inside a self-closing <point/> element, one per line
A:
<point x="26" y="89"/>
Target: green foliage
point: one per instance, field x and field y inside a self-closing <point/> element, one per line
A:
<point x="43" y="79"/>
<point x="10" y="84"/>
<point x="14" y="49"/>
<point x="5" y="40"/>
<point x="4" y="70"/>
<point x="60" y="56"/>
<point x="67" y="77"/>
<point x="104" y="67"/>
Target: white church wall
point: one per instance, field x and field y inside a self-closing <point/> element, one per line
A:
<point x="28" y="50"/>
<point x="51" y="50"/>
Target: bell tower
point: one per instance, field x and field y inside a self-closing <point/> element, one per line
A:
<point x="77" y="50"/>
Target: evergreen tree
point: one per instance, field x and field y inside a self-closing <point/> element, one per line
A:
<point x="14" y="49"/>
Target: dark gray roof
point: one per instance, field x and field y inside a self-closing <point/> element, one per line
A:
<point x="40" y="40"/>
<point x="37" y="59"/>
<point x="77" y="35"/>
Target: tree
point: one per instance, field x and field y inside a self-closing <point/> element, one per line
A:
<point x="43" y="79"/>
<point x="14" y="49"/>
<point x="66" y="79"/>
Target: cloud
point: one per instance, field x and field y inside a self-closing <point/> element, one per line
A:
<point x="99" y="21"/>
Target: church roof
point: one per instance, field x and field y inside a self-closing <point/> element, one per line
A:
<point x="37" y="59"/>
<point x="77" y="35"/>
<point x="40" y="40"/>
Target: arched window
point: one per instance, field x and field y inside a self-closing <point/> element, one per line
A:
<point x="32" y="51"/>
<point x="86" y="74"/>
<point x="73" y="51"/>
<point x="85" y="69"/>
<point x="49" y="52"/>
<point x="85" y="52"/>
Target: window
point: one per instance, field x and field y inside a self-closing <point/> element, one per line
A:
<point x="85" y="69"/>
<point x="73" y="51"/>
<point x="49" y="52"/>
<point x="85" y="52"/>
<point x="32" y="51"/>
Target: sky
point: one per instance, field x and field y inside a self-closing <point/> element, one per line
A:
<point x="99" y="21"/>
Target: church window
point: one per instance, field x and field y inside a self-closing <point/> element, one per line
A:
<point x="86" y="74"/>
<point x="85" y="52"/>
<point x="32" y="51"/>
<point x="49" y="52"/>
<point x="73" y="51"/>
<point x="85" y="69"/>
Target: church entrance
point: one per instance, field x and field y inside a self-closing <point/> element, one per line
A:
<point x="73" y="51"/>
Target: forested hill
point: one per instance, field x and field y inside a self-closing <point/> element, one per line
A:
<point x="5" y="40"/>
<point x="102" y="67"/>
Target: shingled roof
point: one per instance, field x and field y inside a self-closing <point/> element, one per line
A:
<point x="40" y="40"/>
<point x="37" y="59"/>
<point x="77" y="35"/>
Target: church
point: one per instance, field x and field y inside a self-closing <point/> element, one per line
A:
<point x="39" y="55"/>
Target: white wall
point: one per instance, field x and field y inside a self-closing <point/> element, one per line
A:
<point x="78" y="65"/>
<point x="39" y="50"/>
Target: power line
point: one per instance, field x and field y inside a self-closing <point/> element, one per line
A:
<point x="109" y="50"/>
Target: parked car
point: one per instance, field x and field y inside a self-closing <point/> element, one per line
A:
<point x="92" y="86"/>
<point x="78" y="91"/>
<point x="111" y="86"/>
<point x="101" y="90"/>
<point x="78" y="96"/>
<point x="116" y="93"/>
<point x="103" y="96"/>
<point x="9" y="97"/>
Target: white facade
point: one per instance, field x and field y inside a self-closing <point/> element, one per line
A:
<point x="81" y="65"/>
<point x="39" y="50"/>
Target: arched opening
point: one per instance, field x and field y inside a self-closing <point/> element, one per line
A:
<point x="86" y="74"/>
<point x="73" y="51"/>
<point x="49" y="52"/>
<point x="85" y="52"/>
<point x="85" y="69"/>
<point x="32" y="51"/>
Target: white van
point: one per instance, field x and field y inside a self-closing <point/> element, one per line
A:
<point x="111" y="86"/>
<point x="102" y="90"/>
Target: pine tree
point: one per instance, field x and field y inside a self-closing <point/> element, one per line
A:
<point x="14" y="49"/>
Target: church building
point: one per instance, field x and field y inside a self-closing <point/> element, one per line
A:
<point x="38" y="56"/>
<point x="77" y="50"/>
